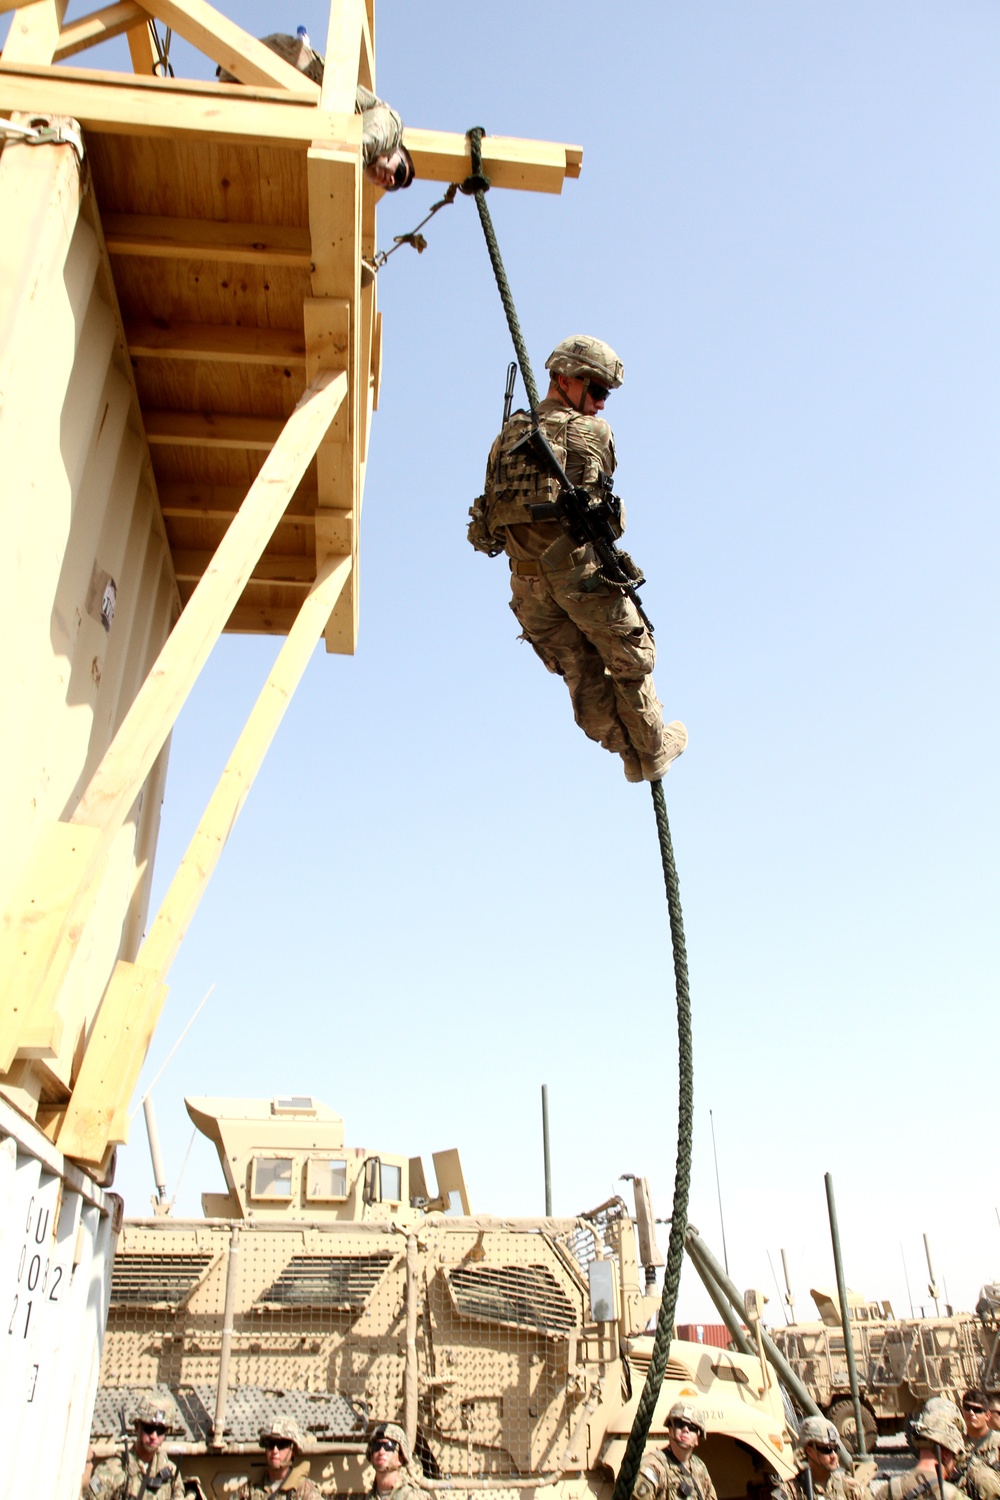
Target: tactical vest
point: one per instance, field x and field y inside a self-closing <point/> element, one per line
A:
<point x="514" y="480"/>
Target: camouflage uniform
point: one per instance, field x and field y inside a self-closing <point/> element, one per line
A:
<point x="975" y="1475"/>
<point x="585" y="630"/>
<point x="404" y="1490"/>
<point x="916" y="1484"/>
<point x="663" y="1477"/>
<point x="126" y="1479"/>
<point x="832" y="1486"/>
<point x="296" y="1482"/>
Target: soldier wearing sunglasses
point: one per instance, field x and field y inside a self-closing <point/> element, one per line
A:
<point x="583" y="626"/>
<point x="389" y="1455"/>
<point x="821" y="1474"/>
<point x="143" y="1470"/>
<point x="978" y="1474"/>
<point x="286" y="1471"/>
<point x="676" y="1472"/>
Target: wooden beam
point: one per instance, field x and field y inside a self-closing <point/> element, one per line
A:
<point x="182" y="429"/>
<point x="141" y="50"/>
<point x="220" y="502"/>
<point x="172" y="108"/>
<point x="134" y="999"/>
<point x="100" y="26"/>
<point x="34" y="32"/>
<point x="343" y="55"/>
<point x="204" y="239"/>
<point x="231" y="47"/>
<point x="534" y="166"/>
<point x="40" y="935"/>
<point x="282" y="567"/>
<point x="215" y="343"/>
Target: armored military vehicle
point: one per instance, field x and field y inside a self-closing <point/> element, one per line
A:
<point x="900" y="1361"/>
<point x="329" y="1283"/>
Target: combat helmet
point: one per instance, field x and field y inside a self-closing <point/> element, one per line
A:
<point x="935" y="1427"/>
<point x="392" y="1434"/>
<point x="589" y="358"/>
<point x="155" y="1409"/>
<point x="686" y="1411"/>
<point x="818" y="1430"/>
<point x="283" y="1427"/>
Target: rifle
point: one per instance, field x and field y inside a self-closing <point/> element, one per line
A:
<point x="588" y="521"/>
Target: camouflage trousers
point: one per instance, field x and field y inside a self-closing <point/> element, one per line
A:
<point x="594" y="638"/>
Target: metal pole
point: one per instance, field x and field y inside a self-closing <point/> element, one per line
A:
<point x="906" y="1276"/>
<point x="222" y="1389"/>
<point x="932" y="1284"/>
<point x="153" y="1135"/>
<point x="545" y="1150"/>
<point x="703" y="1258"/>
<point x="410" y="1381"/>
<point x="845" y="1318"/>
<point x="718" y="1194"/>
<point x="789" y="1295"/>
<point x="723" y="1307"/>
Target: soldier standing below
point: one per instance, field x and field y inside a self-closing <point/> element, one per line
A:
<point x="144" y="1469"/>
<point x="977" y="1475"/>
<point x="939" y="1444"/>
<point x="585" y="629"/>
<point x="676" y="1472"/>
<point x="389" y="1455"/>
<point x="821" y="1475"/>
<point x="283" y="1441"/>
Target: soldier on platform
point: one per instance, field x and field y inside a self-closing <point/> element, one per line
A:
<point x="585" y="628"/>
<point x="676" y="1472"/>
<point x="144" y="1468"/>
<point x="387" y="162"/>
<point x="283" y="1442"/>
<point x="389" y="1455"/>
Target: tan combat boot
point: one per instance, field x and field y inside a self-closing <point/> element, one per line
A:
<point x="675" y="738"/>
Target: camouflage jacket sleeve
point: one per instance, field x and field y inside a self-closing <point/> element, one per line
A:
<point x="381" y="127"/>
<point x="107" y="1481"/>
<point x="980" y="1481"/>
<point x="699" y="1472"/>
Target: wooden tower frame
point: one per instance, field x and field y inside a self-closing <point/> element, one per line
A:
<point x="189" y="366"/>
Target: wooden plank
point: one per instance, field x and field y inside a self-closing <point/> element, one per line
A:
<point x="134" y="999"/>
<point x="34" y="32"/>
<point x="273" y="567"/>
<point x="509" y="162"/>
<point x="38" y="941"/>
<point x="343" y="55"/>
<point x="220" y="502"/>
<point x="170" y="108"/>
<point x="231" y="47"/>
<point x="197" y="429"/>
<point x="215" y="342"/>
<point x="100" y="26"/>
<point x="203" y="239"/>
<point x="141" y="50"/>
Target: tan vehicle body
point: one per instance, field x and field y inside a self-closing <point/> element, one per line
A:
<point x="900" y="1361"/>
<point x="512" y="1351"/>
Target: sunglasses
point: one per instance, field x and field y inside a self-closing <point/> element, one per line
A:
<point x="150" y="1427"/>
<point x="383" y="1445"/>
<point x="826" y="1448"/>
<point x="682" y="1426"/>
<point x="598" y="392"/>
<point x="280" y="1443"/>
<point x="974" y="1411"/>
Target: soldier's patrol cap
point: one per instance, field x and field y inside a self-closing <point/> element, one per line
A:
<point x="153" y="1412"/>
<point x="283" y="1427"/>
<point x="686" y="1411"/>
<point x="818" y="1430"/>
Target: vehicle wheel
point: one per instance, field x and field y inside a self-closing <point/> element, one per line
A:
<point x="841" y="1414"/>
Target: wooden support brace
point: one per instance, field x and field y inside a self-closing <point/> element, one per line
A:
<point x="134" y="999"/>
<point x="229" y="45"/>
<point x="203" y="239"/>
<point x="100" y="26"/>
<point x="215" y="343"/>
<point x="348" y="23"/>
<point x="40" y="934"/>
<point x="34" y="32"/>
<point x="196" y="429"/>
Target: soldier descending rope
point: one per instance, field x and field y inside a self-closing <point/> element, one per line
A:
<point x="574" y="597"/>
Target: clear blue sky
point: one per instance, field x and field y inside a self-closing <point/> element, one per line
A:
<point x="440" y="894"/>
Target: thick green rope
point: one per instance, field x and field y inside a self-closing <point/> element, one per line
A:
<point x="479" y="184"/>
<point x="682" y="1176"/>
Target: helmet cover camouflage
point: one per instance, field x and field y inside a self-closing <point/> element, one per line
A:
<point x="589" y="358"/>
<point x="392" y="1434"/>
<point x="283" y="1427"/>
<point x="935" y="1428"/>
<point x="155" y="1410"/>
<point x="818" y="1430"/>
<point x="685" y="1411"/>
